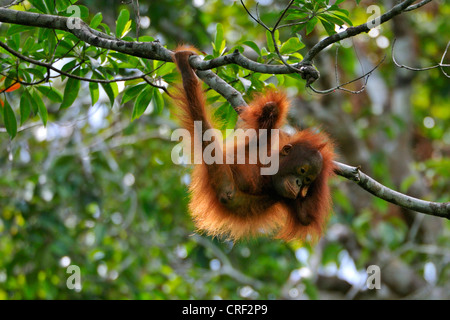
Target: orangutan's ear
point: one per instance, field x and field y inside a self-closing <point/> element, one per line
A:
<point x="286" y="149"/>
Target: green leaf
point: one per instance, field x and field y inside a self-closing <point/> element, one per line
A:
<point x="158" y="101"/>
<point x="121" y="22"/>
<point x="16" y="28"/>
<point x="71" y="91"/>
<point x="331" y="19"/>
<point x="93" y="89"/>
<point x="142" y="102"/>
<point x="163" y="67"/>
<point x="311" y="24"/>
<point x="36" y="72"/>
<point x="342" y="16"/>
<point x="50" y="5"/>
<point x="42" y="110"/>
<point x="51" y="93"/>
<point x="280" y="79"/>
<point x="407" y="183"/>
<point x="126" y="30"/>
<point x="9" y="119"/>
<point x="96" y="20"/>
<point x="84" y="12"/>
<point x="252" y="45"/>
<point x="291" y="45"/>
<point x="171" y="77"/>
<point x="343" y="11"/>
<point x="126" y="61"/>
<point x="10" y="79"/>
<point x="146" y="39"/>
<point x="277" y="37"/>
<point x="226" y="115"/>
<point x="111" y="90"/>
<point x="51" y="42"/>
<point x="297" y="16"/>
<point x="132" y="92"/>
<point x="69" y="66"/>
<point x="329" y="27"/>
<point x="106" y="28"/>
<point x="219" y="41"/>
<point x="14" y="41"/>
<point x="309" y="5"/>
<point x="270" y="44"/>
<point x="39" y="4"/>
<point x="62" y="5"/>
<point x="221" y="113"/>
<point x="25" y="106"/>
<point x="29" y="43"/>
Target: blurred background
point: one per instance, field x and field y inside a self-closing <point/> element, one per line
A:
<point x="99" y="191"/>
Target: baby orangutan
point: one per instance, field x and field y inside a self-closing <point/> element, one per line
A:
<point x="236" y="200"/>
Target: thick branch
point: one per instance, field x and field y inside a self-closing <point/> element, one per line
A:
<point x="67" y="74"/>
<point x="363" y="180"/>
<point x="377" y="189"/>
<point x="354" y="174"/>
<point x="353" y="31"/>
<point x="154" y="50"/>
<point x="76" y="26"/>
<point x="150" y="50"/>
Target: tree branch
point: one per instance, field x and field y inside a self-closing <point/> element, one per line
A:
<point x="67" y="74"/>
<point x="377" y="189"/>
<point x="155" y="51"/>
<point x="440" y="65"/>
<point x="353" y="31"/>
<point x="150" y="50"/>
<point x="417" y="5"/>
<point x="352" y="173"/>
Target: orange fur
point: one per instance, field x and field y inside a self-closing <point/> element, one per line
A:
<point x="261" y="216"/>
<point x="253" y="114"/>
<point x="189" y="98"/>
<point x="215" y="219"/>
<point x="255" y="208"/>
<point x="318" y="201"/>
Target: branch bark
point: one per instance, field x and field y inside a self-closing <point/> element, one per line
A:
<point x="155" y="51"/>
<point x="353" y="31"/>
<point x="76" y="26"/>
<point x="377" y="189"/>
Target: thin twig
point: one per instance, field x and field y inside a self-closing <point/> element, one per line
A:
<point x="282" y="15"/>
<point x="50" y="66"/>
<point x="440" y="65"/>
<point x="353" y="31"/>
<point x="15" y="2"/>
<point x="257" y="20"/>
<point x="417" y="5"/>
<point x="138" y="18"/>
<point x="341" y="86"/>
